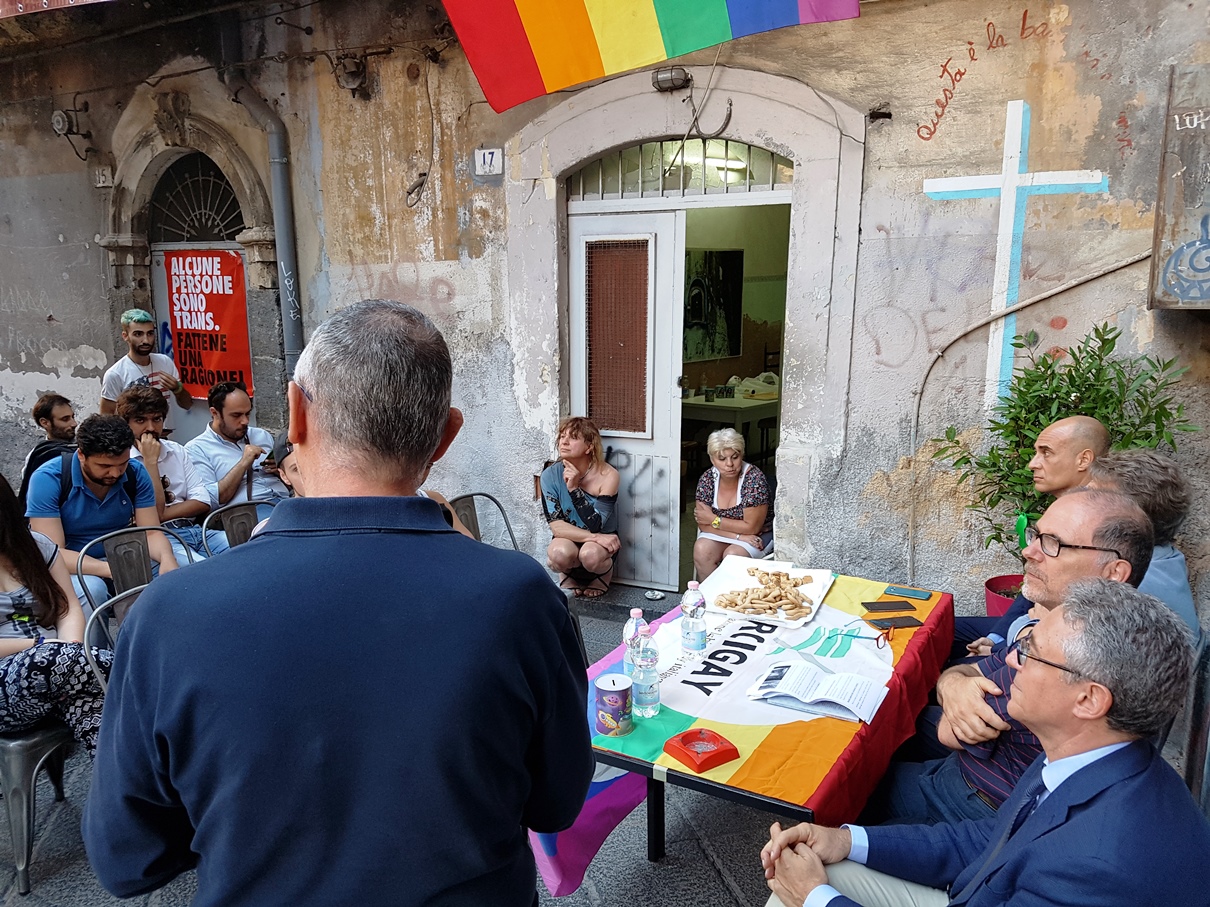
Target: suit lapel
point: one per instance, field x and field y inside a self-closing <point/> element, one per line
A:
<point x="1081" y="787"/>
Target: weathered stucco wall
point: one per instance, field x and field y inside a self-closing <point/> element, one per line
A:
<point x="903" y="275"/>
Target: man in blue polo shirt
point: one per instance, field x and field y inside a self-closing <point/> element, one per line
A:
<point x="98" y="501"/>
<point x="293" y="763"/>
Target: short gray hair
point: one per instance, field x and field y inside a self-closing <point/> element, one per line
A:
<point x="725" y="439"/>
<point x="1121" y="525"/>
<point x="1133" y="644"/>
<point x="377" y="376"/>
<point x="1153" y="480"/>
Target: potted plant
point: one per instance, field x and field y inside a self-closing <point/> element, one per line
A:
<point x="1132" y="397"/>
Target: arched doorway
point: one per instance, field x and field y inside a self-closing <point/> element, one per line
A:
<point x="182" y="180"/>
<point x="198" y="285"/>
<point x="823" y="137"/>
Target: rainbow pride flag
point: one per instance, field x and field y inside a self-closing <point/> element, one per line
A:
<point x="521" y="49"/>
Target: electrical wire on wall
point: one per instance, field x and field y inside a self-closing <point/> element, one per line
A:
<point x="918" y="390"/>
<point x="415" y="189"/>
<point x="694" y="125"/>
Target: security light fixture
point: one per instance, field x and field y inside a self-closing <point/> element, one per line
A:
<point x="671" y="78"/>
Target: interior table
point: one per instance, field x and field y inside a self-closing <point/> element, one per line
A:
<point x="739" y="411"/>
<point x="804" y="767"/>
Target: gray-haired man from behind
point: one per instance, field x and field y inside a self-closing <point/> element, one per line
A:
<point x="360" y="705"/>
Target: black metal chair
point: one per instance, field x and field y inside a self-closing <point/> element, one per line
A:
<point x="1197" y="742"/>
<point x="22" y="755"/>
<point x="101" y="630"/>
<point x="237" y="520"/>
<point x="128" y="556"/>
<point x="465" y="509"/>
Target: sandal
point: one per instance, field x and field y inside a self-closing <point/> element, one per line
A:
<point x="584" y="584"/>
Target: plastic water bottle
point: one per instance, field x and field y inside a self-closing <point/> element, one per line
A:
<point x="693" y="624"/>
<point x="630" y="635"/>
<point x="646" y="676"/>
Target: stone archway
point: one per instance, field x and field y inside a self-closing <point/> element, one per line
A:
<point x="162" y="128"/>
<point x="174" y="132"/>
<point x="825" y="140"/>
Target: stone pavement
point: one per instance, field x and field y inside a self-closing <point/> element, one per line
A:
<point x="712" y="845"/>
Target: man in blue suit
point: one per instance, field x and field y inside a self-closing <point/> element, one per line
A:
<point x="1099" y="819"/>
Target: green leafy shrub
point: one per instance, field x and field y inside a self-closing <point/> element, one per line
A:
<point x="1131" y="396"/>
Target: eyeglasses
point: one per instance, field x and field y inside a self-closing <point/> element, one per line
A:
<point x="1025" y="644"/>
<point x="1051" y="546"/>
<point x="881" y="641"/>
<point x="306" y="393"/>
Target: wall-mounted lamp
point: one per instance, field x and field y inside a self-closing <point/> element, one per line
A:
<point x="65" y="122"/>
<point x="671" y="78"/>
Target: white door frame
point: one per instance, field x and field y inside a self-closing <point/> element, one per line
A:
<point x="823" y="136"/>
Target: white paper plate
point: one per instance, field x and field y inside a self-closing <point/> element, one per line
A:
<point x="732" y="575"/>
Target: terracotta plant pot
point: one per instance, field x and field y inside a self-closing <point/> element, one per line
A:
<point x="1000" y="591"/>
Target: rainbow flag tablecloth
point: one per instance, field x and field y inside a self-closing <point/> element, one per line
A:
<point x="826" y="764"/>
<point x="521" y="49"/>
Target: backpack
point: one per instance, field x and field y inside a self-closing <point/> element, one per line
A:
<point x="44" y="452"/>
<point x="130" y="484"/>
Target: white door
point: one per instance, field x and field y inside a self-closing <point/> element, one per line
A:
<point x="626" y="311"/>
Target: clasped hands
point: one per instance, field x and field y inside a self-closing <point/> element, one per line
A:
<point x="794" y="858"/>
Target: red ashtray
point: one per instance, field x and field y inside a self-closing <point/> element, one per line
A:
<point x="701" y="749"/>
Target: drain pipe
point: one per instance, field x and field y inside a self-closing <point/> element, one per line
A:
<point x="918" y="390"/>
<point x="280" y="193"/>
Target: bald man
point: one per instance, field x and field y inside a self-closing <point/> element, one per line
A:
<point x="1062" y="461"/>
<point x="1064" y="452"/>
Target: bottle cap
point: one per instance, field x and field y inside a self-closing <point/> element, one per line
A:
<point x="645" y="630"/>
<point x="636" y="612"/>
<point x="692" y="584"/>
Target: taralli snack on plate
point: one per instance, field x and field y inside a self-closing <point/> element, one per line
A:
<point x="777" y="592"/>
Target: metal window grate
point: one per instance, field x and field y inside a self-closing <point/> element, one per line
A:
<point x="669" y="169"/>
<point x="194" y="202"/>
<point x="616" y="305"/>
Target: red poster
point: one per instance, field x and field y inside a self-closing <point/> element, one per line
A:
<point x="207" y="305"/>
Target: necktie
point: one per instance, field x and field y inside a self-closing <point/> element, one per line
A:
<point x="1024" y="808"/>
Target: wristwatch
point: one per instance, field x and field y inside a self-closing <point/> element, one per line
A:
<point x="716" y="522"/>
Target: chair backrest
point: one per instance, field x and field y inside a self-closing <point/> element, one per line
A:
<point x="101" y="630"/>
<point x="465" y="509"/>
<point x="237" y="520"/>
<point x="128" y="555"/>
<point x="1197" y="744"/>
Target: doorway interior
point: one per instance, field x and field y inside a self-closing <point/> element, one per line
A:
<point x="736" y="262"/>
<point x="701" y="231"/>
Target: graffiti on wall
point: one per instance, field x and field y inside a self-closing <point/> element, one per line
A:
<point x="1013" y="185"/>
<point x="952" y="74"/>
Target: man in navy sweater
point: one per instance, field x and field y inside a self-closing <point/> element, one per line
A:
<point x="1099" y="820"/>
<point x="360" y="705"/>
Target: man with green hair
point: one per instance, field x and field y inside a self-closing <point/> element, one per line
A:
<point x="142" y="366"/>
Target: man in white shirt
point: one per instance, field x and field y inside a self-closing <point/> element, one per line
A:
<point x="180" y="494"/>
<point x="142" y="366"/>
<point x="234" y="458"/>
<point x="1098" y="819"/>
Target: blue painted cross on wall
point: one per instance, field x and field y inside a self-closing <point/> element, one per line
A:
<point x="1013" y="185"/>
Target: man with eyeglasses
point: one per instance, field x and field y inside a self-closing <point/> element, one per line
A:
<point x="1084" y="535"/>
<point x="233" y="457"/>
<point x="1098" y="819"/>
<point x="1064" y="456"/>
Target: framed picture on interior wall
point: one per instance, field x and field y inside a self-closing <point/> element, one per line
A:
<point x="714" y="303"/>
